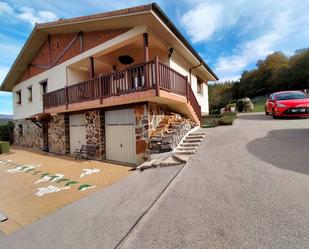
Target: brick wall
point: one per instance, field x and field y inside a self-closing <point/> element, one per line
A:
<point x="60" y="42"/>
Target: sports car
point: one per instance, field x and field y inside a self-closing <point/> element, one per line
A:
<point x="287" y="104"/>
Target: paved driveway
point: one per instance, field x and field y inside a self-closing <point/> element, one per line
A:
<point x="247" y="187"/>
<point x="35" y="184"/>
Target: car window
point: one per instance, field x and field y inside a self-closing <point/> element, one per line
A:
<point x="295" y="95"/>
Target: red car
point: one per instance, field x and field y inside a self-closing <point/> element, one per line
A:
<point x="287" y="104"/>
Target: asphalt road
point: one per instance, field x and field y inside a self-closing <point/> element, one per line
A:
<point x="247" y="187"/>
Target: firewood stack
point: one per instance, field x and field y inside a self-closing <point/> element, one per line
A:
<point x="172" y="128"/>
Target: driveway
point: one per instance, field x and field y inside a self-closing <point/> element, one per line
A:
<point x="34" y="184"/>
<point x="247" y="187"/>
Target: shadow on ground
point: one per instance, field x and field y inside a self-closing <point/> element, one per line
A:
<point x="286" y="149"/>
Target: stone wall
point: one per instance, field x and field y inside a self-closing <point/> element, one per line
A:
<point x="141" y="132"/>
<point x="156" y="113"/>
<point x="93" y="131"/>
<point x="57" y="141"/>
<point x="31" y="135"/>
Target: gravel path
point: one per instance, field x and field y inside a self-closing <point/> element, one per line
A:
<point x="248" y="187"/>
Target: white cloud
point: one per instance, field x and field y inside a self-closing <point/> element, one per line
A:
<point x="27" y="14"/>
<point x="3" y="73"/>
<point x="250" y="51"/>
<point x="6" y="8"/>
<point x="202" y="21"/>
<point x="32" y="16"/>
<point x="284" y="30"/>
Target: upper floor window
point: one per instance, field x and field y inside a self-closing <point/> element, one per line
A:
<point x="199" y="86"/>
<point x="30" y="94"/>
<point x="44" y="86"/>
<point x="18" y="97"/>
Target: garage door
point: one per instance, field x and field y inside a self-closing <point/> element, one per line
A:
<point x="77" y="131"/>
<point x="120" y="135"/>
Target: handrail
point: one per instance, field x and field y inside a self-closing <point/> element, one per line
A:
<point x="139" y="77"/>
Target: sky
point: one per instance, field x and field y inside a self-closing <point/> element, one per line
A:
<point x="229" y="35"/>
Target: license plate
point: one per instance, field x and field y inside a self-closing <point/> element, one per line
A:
<point x="298" y="110"/>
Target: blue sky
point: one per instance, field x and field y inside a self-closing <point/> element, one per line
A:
<point x="230" y="35"/>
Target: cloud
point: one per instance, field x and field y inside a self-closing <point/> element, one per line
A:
<point x="283" y="31"/>
<point x="6" y="8"/>
<point x="27" y="14"/>
<point x="32" y="16"/>
<point x="250" y="51"/>
<point x="3" y="73"/>
<point x="202" y="21"/>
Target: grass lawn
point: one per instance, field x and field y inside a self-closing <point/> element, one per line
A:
<point x="259" y="106"/>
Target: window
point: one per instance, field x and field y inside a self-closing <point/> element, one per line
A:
<point x="30" y="94"/>
<point x="199" y="86"/>
<point x="18" y="97"/>
<point x="20" y="130"/>
<point x="44" y="86"/>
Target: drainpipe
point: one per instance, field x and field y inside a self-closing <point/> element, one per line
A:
<point x="190" y="70"/>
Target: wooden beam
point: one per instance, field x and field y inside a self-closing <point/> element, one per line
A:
<point x="91" y="71"/>
<point x="146" y="49"/>
<point x="49" y="49"/>
<point x="81" y="41"/>
<point x="66" y="49"/>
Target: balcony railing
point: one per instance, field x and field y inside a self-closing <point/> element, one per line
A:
<point x="141" y="77"/>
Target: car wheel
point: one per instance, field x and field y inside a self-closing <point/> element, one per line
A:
<point x="274" y="115"/>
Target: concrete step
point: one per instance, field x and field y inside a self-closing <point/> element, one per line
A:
<point x="182" y="158"/>
<point x="195" y="136"/>
<point x="184" y="152"/>
<point x="187" y="148"/>
<point x="198" y="133"/>
<point x="189" y="144"/>
<point x="192" y="140"/>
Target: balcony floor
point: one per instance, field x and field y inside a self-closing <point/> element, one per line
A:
<point x="176" y="102"/>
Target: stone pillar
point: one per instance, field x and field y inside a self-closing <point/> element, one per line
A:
<point x="141" y="132"/>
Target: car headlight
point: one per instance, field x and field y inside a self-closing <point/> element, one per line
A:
<point x="280" y="105"/>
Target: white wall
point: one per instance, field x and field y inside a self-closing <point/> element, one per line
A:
<point x="179" y="63"/>
<point x="56" y="79"/>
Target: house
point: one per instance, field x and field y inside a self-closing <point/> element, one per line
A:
<point x="105" y="79"/>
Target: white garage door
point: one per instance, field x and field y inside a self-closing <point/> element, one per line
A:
<point x="120" y="135"/>
<point x="77" y="131"/>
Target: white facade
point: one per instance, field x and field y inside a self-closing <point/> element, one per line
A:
<point x="61" y="75"/>
<point x="179" y="64"/>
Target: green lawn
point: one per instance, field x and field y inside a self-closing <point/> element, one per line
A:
<point x="260" y="105"/>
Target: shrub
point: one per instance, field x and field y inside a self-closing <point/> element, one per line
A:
<point x="226" y="120"/>
<point x="6" y="132"/>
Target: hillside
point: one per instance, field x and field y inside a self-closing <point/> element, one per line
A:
<point x="5" y="118"/>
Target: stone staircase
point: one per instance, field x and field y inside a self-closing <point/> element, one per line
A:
<point x="181" y="154"/>
<point x="168" y="134"/>
<point x="190" y="144"/>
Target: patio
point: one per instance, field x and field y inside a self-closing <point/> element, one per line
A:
<point x="34" y="184"/>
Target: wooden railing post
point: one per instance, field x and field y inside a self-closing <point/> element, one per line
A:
<point x="157" y="76"/>
<point x="66" y="97"/>
<point x="187" y="89"/>
<point x="100" y="88"/>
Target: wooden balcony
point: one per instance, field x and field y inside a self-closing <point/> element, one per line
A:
<point x="152" y="75"/>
